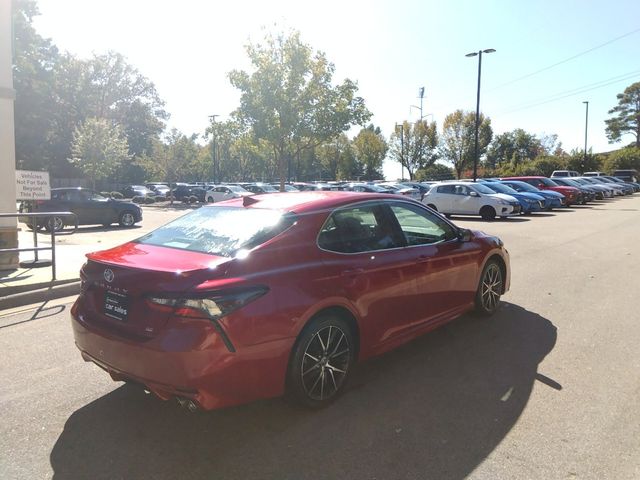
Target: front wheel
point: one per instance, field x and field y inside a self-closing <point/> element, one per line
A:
<point x="490" y="289"/>
<point x="127" y="219"/>
<point x="321" y="362"/>
<point x="54" y="224"/>
<point x="487" y="213"/>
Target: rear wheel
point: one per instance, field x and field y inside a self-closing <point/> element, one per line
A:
<point x="321" y="362"/>
<point x="209" y="199"/>
<point x="127" y="219"/>
<point x="490" y="289"/>
<point x="487" y="213"/>
<point x="54" y="224"/>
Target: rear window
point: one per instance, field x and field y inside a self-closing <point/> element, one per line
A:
<point x="221" y="231"/>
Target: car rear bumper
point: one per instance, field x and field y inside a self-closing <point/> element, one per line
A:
<point x="186" y="362"/>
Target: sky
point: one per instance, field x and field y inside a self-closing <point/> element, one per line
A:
<point x="390" y="48"/>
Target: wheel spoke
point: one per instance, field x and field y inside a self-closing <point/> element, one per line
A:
<point x="316" y="382"/>
<point x="331" y="367"/>
<point x="337" y="344"/>
<point x="336" y="355"/>
<point x="310" y="369"/>
<point x="333" y="379"/>
<point x="312" y="357"/>
<point x="324" y="349"/>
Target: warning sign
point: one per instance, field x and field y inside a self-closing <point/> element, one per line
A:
<point x="32" y="185"/>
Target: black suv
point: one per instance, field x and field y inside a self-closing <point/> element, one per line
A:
<point x="90" y="208"/>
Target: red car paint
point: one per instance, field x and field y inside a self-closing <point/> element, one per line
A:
<point x="393" y="295"/>
<point x="571" y="193"/>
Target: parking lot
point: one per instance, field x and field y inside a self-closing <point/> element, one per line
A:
<point x="547" y="388"/>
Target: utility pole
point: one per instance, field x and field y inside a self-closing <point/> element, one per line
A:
<point x="586" y="125"/>
<point x="213" y="145"/>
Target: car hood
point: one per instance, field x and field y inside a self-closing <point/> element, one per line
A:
<point x="504" y="196"/>
<point x="529" y="195"/>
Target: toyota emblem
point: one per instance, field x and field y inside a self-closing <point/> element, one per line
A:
<point x="108" y="275"/>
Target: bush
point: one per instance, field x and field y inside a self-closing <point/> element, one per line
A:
<point x="138" y="199"/>
<point x="105" y="194"/>
<point x="149" y="200"/>
<point x="623" y="159"/>
<point x="116" y="195"/>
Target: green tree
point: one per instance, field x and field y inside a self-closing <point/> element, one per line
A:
<point x="515" y="147"/>
<point x="289" y="99"/>
<point x="414" y="145"/>
<point x="457" y="143"/>
<point x="370" y="150"/>
<point x="626" y="117"/>
<point x="99" y="148"/>
<point x="625" y="158"/>
<point x="437" y="171"/>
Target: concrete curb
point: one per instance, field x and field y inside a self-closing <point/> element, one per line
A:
<point x="40" y="295"/>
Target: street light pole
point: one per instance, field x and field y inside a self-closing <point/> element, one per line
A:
<point x="213" y="144"/>
<point x="401" y="147"/>
<point x="586" y="125"/>
<point x="475" y="156"/>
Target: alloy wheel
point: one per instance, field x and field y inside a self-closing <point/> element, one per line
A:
<point x="127" y="219"/>
<point x="325" y="363"/>
<point x="491" y="288"/>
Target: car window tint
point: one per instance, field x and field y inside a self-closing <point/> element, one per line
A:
<point x="357" y="229"/>
<point x="447" y="189"/>
<point x="421" y="227"/>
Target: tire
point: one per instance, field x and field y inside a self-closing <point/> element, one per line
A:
<point x="127" y="219"/>
<point x="487" y="213"/>
<point x="321" y="362"/>
<point x="432" y="207"/>
<point x="54" y="224"/>
<point x="209" y="199"/>
<point x="490" y="289"/>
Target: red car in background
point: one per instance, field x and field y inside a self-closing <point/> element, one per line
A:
<point x="282" y="293"/>
<point x="572" y="195"/>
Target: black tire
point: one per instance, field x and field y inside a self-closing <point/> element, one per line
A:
<point x="106" y="225"/>
<point x="127" y="219"/>
<point x="490" y="288"/>
<point x="209" y="199"/>
<point x="321" y="362"/>
<point x="487" y="213"/>
<point x="54" y="224"/>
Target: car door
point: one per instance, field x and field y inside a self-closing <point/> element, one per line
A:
<point x="93" y="208"/>
<point x="445" y="268"/>
<point x="366" y="264"/>
<point x="442" y="198"/>
<point x="464" y="202"/>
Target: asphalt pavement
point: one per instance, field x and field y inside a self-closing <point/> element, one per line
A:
<point x="549" y="388"/>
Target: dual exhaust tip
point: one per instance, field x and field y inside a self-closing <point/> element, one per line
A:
<point x="187" y="403"/>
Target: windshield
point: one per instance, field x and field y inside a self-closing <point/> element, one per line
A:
<point x="499" y="187"/>
<point x="267" y="188"/>
<point x="482" y="189"/>
<point x="221" y="231"/>
<point x="236" y="189"/>
<point x="523" y="187"/>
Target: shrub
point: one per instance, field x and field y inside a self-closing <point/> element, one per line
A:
<point x="116" y="195"/>
<point x="138" y="199"/>
<point x="149" y="200"/>
<point x="625" y="158"/>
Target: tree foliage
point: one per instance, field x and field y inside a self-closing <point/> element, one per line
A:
<point x="626" y="119"/>
<point x="289" y="100"/>
<point x="99" y="148"/>
<point x="415" y="145"/>
<point x="371" y="149"/>
<point x="457" y="144"/>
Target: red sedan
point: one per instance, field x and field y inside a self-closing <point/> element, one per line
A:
<point x="571" y="194"/>
<point x="271" y="294"/>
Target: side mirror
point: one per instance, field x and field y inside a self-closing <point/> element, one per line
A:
<point x="474" y="194"/>
<point x="464" y="235"/>
<point x="541" y="185"/>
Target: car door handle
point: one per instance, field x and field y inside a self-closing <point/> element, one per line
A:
<point x="352" y="271"/>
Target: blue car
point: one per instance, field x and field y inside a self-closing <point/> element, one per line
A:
<point x="530" y="202"/>
<point x="552" y="199"/>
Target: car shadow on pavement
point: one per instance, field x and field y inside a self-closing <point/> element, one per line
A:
<point x="433" y="409"/>
<point x="495" y="220"/>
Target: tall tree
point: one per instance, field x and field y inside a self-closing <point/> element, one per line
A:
<point x="515" y="147"/>
<point x="626" y="117"/>
<point x="99" y="148"/>
<point x="289" y="99"/>
<point x="414" y="145"/>
<point x="457" y="145"/>
<point x="371" y="149"/>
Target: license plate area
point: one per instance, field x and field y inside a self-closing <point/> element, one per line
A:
<point x="116" y="305"/>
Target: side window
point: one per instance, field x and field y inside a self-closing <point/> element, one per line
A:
<point x="450" y="189"/>
<point x="74" y="196"/>
<point x="462" y="190"/>
<point x="357" y="229"/>
<point x="421" y="227"/>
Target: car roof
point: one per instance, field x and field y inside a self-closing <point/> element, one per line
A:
<point x="306" y="202"/>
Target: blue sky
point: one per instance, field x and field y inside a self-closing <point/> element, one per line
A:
<point x="390" y="48"/>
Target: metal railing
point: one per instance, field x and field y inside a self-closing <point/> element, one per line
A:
<point x="35" y="225"/>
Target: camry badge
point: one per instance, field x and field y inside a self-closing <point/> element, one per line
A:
<point x="108" y="275"/>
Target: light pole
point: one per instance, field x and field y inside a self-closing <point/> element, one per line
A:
<point x="475" y="157"/>
<point x="213" y="144"/>
<point x="401" y="126"/>
<point x="586" y="125"/>
<point x="421" y="97"/>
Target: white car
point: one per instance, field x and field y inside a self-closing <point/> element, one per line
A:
<point x="218" y="193"/>
<point x="462" y="198"/>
